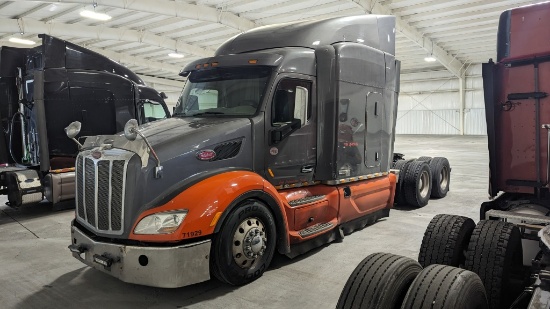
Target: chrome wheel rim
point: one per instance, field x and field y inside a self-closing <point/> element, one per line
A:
<point x="444" y="182"/>
<point x="424" y="184"/>
<point x="249" y="242"/>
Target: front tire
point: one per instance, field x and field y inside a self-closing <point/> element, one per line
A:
<point x="243" y="248"/>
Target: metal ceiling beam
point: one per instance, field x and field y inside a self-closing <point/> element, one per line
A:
<point x="285" y="16"/>
<point x="100" y="33"/>
<point x="171" y="8"/>
<point x="292" y="18"/>
<point x="63" y="13"/>
<point x="29" y="12"/>
<point x="163" y="81"/>
<point x="125" y="59"/>
<point x="454" y="65"/>
<point x="4" y="4"/>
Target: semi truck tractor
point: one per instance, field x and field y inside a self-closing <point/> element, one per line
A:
<point x="45" y="88"/>
<point x="281" y="141"/>
<point x="504" y="260"/>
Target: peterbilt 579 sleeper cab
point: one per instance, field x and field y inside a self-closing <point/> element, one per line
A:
<point x="283" y="140"/>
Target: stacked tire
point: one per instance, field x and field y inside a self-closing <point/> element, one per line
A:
<point x="420" y="179"/>
<point x="391" y="281"/>
<point x="491" y="249"/>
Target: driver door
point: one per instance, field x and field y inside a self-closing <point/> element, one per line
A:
<point x="292" y="132"/>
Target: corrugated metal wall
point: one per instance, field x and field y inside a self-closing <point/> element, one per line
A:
<point x="429" y="103"/>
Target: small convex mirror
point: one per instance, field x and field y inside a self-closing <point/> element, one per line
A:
<point x="73" y="129"/>
<point x="130" y="129"/>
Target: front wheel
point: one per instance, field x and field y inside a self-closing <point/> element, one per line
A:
<point x="244" y="246"/>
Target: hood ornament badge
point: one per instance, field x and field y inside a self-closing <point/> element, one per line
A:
<point x="206" y="155"/>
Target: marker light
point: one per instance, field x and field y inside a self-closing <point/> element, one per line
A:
<point x="22" y="41"/>
<point x="95" y="15"/>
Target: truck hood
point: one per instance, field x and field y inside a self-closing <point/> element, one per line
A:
<point x="170" y="137"/>
<point x="178" y="142"/>
<point x="158" y="132"/>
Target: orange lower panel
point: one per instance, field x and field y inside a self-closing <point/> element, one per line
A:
<point x="366" y="197"/>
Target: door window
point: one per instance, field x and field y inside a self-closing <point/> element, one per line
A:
<point x="152" y="111"/>
<point x="291" y="101"/>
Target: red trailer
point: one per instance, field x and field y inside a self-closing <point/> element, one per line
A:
<point x="504" y="260"/>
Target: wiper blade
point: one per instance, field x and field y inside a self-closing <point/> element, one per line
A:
<point x="207" y="113"/>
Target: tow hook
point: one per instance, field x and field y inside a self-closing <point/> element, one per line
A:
<point x="103" y="260"/>
<point x="78" y="249"/>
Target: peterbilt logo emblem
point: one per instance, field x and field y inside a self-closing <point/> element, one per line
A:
<point x="96" y="154"/>
<point x="205" y="155"/>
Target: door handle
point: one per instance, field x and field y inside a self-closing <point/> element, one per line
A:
<point x="307" y="168"/>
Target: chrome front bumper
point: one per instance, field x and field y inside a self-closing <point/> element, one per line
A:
<point x="165" y="267"/>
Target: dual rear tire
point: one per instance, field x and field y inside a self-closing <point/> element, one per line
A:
<point x="491" y="249"/>
<point x="421" y="179"/>
<point x="391" y="281"/>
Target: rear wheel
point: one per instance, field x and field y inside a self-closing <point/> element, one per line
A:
<point x="381" y="280"/>
<point x="244" y="246"/>
<point x="425" y="159"/>
<point x="402" y="166"/>
<point x="446" y="240"/>
<point x="441" y="176"/>
<point x="417" y="184"/>
<point x="445" y="287"/>
<point x="495" y="254"/>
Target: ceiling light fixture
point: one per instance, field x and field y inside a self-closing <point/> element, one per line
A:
<point x="95" y="15"/>
<point x="176" y="55"/>
<point x="22" y="41"/>
<point x="430" y="57"/>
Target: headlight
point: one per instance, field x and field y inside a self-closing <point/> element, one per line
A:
<point x="161" y="223"/>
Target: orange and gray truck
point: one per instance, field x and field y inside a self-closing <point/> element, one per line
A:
<point x="281" y="141"/>
<point x="504" y="260"/>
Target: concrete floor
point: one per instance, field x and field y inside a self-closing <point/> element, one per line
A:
<point x="37" y="270"/>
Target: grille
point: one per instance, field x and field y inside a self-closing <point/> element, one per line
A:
<point x="227" y="150"/>
<point x="100" y="188"/>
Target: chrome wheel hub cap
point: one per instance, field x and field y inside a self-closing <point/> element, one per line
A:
<point x="249" y="242"/>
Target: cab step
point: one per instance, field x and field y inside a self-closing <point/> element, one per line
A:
<point x="314" y="229"/>
<point x="306" y="200"/>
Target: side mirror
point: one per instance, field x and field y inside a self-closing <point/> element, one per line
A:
<point x="131" y="132"/>
<point x="284" y="131"/>
<point x="72" y="131"/>
<point x="130" y="129"/>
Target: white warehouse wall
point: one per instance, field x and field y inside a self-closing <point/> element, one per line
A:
<point x="429" y="103"/>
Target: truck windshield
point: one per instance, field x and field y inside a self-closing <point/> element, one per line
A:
<point x="234" y="91"/>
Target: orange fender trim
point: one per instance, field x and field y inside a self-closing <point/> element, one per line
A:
<point x="209" y="201"/>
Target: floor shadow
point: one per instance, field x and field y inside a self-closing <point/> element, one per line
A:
<point x="90" y="288"/>
<point x="34" y="211"/>
<point x="405" y="207"/>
